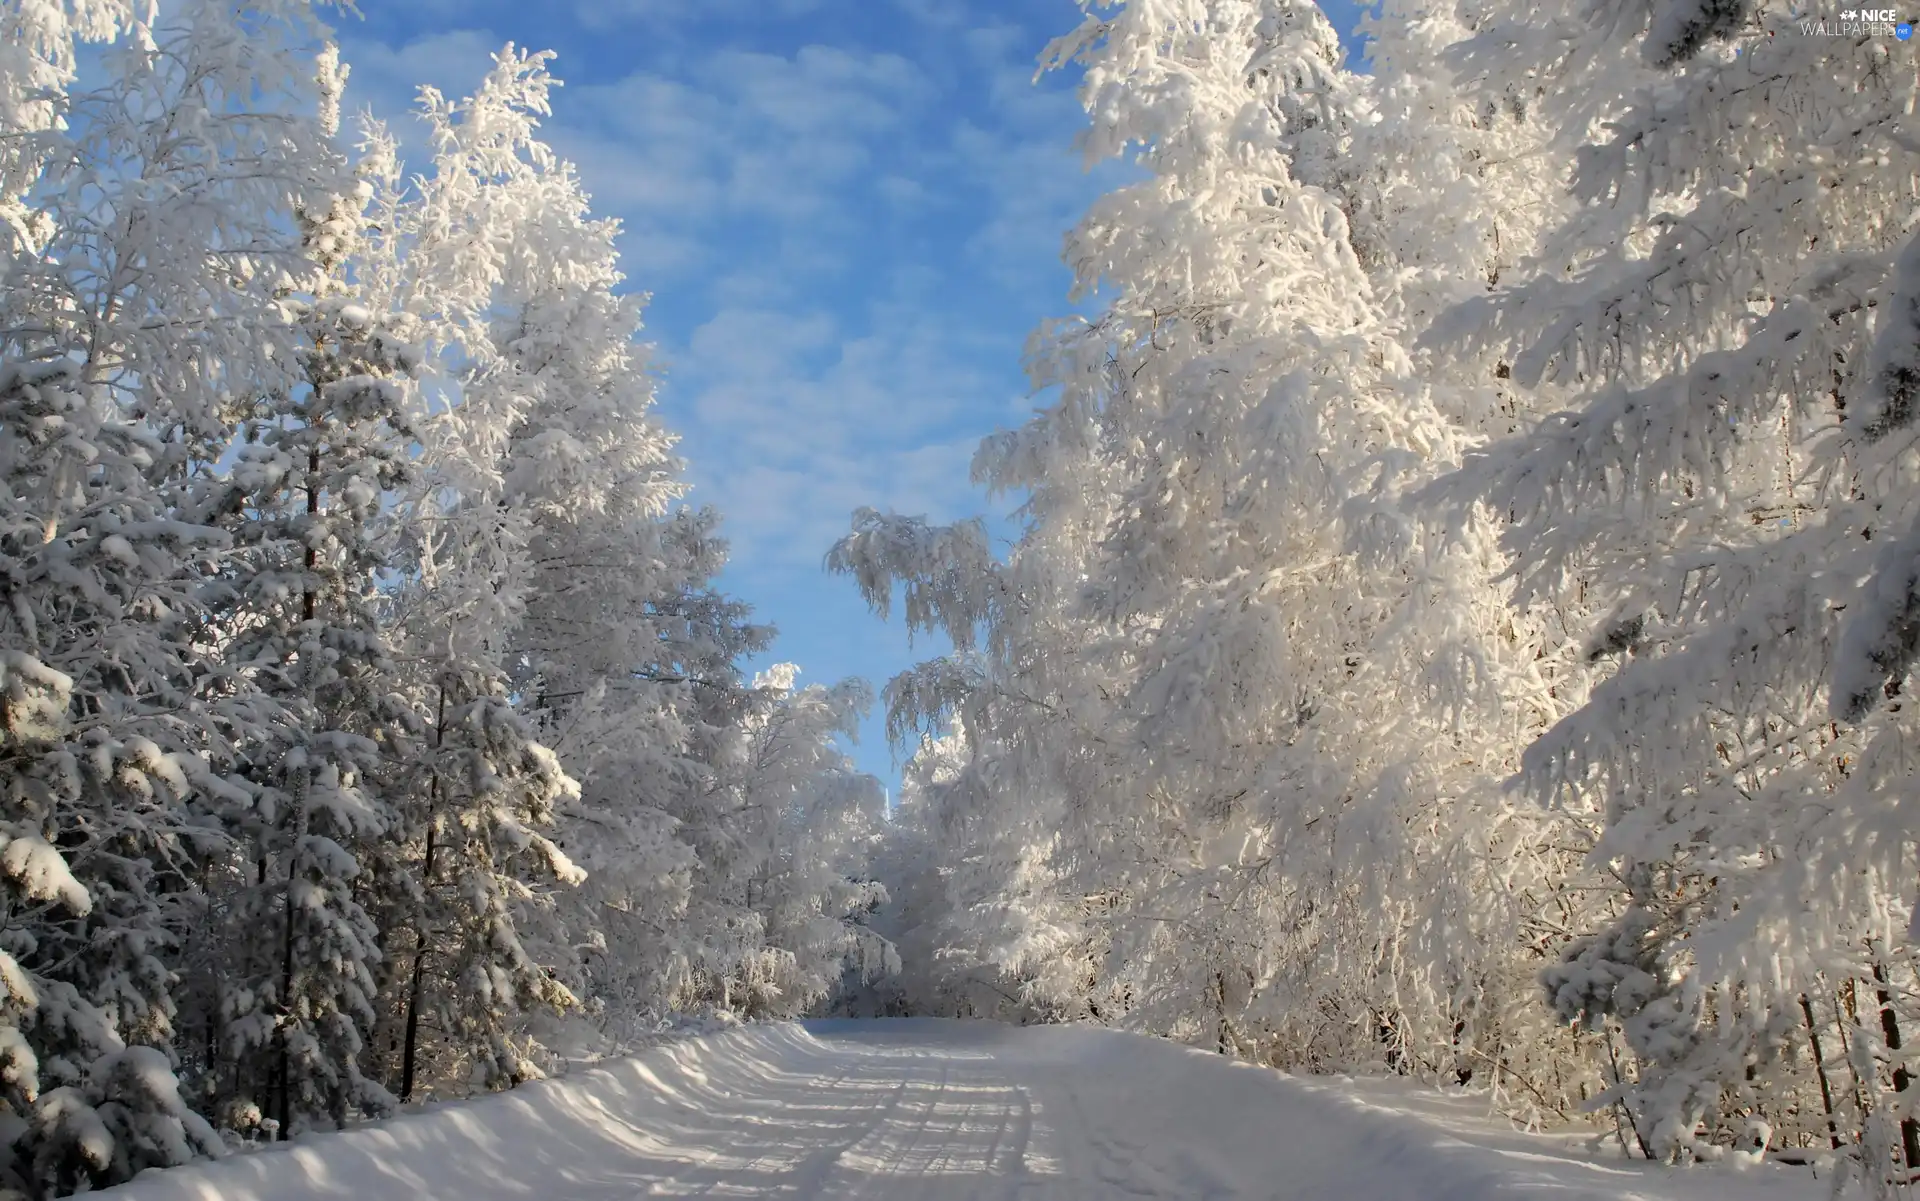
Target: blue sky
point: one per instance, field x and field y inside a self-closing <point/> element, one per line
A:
<point x="848" y="213"/>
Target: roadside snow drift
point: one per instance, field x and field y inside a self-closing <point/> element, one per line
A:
<point x="936" y="1111"/>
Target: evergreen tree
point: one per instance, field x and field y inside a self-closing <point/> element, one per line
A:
<point x="303" y="498"/>
<point x="339" y="536"/>
<point x="128" y="331"/>
<point x="101" y="772"/>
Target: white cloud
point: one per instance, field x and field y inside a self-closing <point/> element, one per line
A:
<point x="610" y="14"/>
<point x="742" y="132"/>
<point x="808" y="372"/>
<point x="388" y="78"/>
<point x="937" y="13"/>
<point x="800" y="425"/>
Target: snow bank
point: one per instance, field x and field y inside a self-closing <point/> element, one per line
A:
<point x="939" y="1111"/>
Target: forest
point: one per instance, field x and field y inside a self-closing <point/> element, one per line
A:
<point x="1465" y="589"/>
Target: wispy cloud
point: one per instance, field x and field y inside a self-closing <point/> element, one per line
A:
<point x="615" y="14"/>
<point x="803" y="422"/>
<point x="848" y="234"/>
<point x="848" y="239"/>
<point x="387" y="77"/>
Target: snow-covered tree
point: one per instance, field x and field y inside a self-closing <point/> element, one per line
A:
<point x="303" y="495"/>
<point x="1235" y="727"/>
<point x="804" y="832"/>
<point x="555" y="581"/>
<point x="1723" y="316"/>
<point x="103" y="838"/>
<point x="341" y="542"/>
<point x="469" y="849"/>
<point x="550" y="552"/>
<point x="139" y="273"/>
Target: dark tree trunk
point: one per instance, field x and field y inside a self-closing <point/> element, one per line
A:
<point x="411" y="1044"/>
<point x="409" y="1051"/>
<point x="1902" y="1079"/>
<point x="1820" y="1070"/>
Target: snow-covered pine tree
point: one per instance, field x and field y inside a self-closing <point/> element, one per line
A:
<point x="102" y="843"/>
<point x="291" y="997"/>
<point x="459" y="248"/>
<point x="484" y="856"/>
<point x="137" y="298"/>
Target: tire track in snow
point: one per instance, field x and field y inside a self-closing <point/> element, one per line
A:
<point x="939" y="1111"/>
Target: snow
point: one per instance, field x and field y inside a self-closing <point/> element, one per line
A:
<point x="1391" y="389"/>
<point x="933" y="1110"/>
<point x="41" y="873"/>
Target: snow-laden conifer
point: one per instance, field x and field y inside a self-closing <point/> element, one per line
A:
<point x="139" y="280"/>
<point x="294" y="996"/>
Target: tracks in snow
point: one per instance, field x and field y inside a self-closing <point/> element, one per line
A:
<point x="939" y="1111"/>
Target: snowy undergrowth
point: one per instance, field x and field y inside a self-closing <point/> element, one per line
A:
<point x="573" y="1042"/>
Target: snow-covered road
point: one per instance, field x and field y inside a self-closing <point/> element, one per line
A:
<point x="939" y="1111"/>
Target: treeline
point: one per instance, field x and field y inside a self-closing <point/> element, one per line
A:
<point x="370" y="713"/>
<point x="1463" y="611"/>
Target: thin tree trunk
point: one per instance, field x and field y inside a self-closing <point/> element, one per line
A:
<point x="1820" y="1070"/>
<point x="1845" y="1002"/>
<point x="283" y="1099"/>
<point x="1902" y="1079"/>
<point x="411" y="1042"/>
<point x="1626" y="1110"/>
<point x="308" y="601"/>
<point x="1220" y="997"/>
<point x="283" y="1067"/>
<point x="283" y="1094"/>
